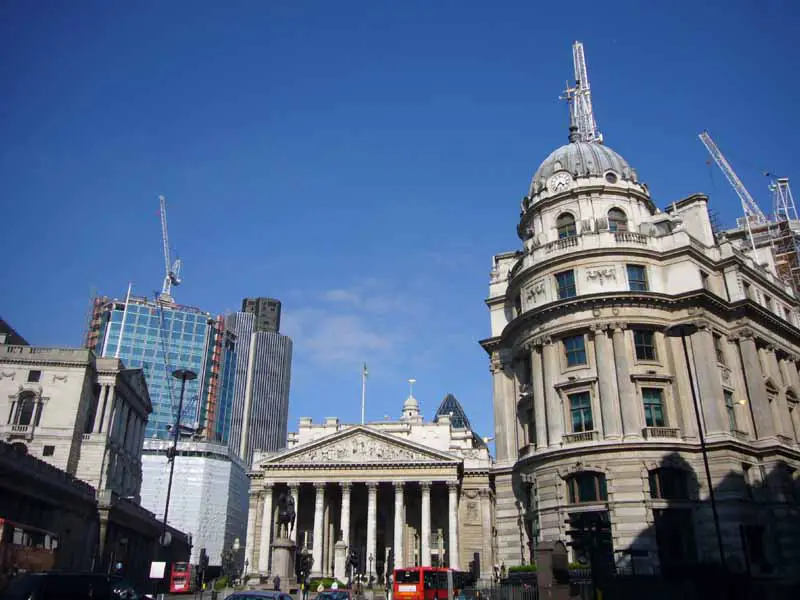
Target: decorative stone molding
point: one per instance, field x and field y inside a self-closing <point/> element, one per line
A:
<point x="580" y="466"/>
<point x="358" y="448"/>
<point x="8" y="375"/>
<point x="537" y="288"/>
<point x="601" y="274"/>
<point x="319" y="485"/>
<point x="60" y="378"/>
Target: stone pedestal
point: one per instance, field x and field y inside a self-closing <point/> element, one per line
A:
<point x="339" y="560"/>
<point x="283" y="551"/>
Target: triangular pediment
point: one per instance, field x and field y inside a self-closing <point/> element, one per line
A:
<point x="360" y="445"/>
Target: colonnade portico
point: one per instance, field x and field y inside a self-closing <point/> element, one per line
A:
<point x="326" y="514"/>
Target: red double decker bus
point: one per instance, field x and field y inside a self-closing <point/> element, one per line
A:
<point x="181" y="578"/>
<point x="425" y="583"/>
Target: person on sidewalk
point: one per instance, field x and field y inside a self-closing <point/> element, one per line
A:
<point x="277" y="583"/>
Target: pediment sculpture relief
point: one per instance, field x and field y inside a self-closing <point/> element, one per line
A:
<point x="356" y="449"/>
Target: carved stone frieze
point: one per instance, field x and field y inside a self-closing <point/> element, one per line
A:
<point x="357" y="449"/>
<point x="601" y="274"/>
<point x="7" y="375"/>
<point x="537" y="288"/>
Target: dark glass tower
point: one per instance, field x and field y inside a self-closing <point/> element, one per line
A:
<point x="267" y="313"/>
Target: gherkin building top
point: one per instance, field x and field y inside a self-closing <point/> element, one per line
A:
<point x="458" y="418"/>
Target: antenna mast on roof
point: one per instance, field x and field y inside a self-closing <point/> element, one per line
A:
<point x="581" y="94"/>
<point x="172" y="270"/>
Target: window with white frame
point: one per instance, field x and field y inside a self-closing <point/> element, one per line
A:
<point x="654" y="413"/>
<point x="575" y="350"/>
<point x="580" y="411"/>
<point x="637" y="278"/>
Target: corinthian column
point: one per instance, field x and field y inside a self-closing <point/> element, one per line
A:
<point x="266" y="531"/>
<point x="555" y="417"/>
<point x="425" y="559"/>
<point x="345" y="516"/>
<point x="399" y="522"/>
<point x="372" y="509"/>
<point x="609" y="402"/>
<point x="539" y="403"/>
<point x="452" y="505"/>
<point x="294" y="489"/>
<point x="319" y="512"/>
<point x="631" y="411"/>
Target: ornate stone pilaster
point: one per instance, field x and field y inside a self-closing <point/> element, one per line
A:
<point x="504" y="407"/>
<point x="555" y="416"/>
<point x="101" y="406"/>
<point x="319" y="513"/>
<point x="487" y="560"/>
<point x="539" y="402"/>
<point x="607" y="383"/>
<point x="266" y="530"/>
<point x="425" y="559"/>
<point x="630" y="409"/>
<point x="372" y="508"/>
<point x="756" y="387"/>
<point x="452" y="506"/>
<point x="110" y="410"/>
<point x="399" y="522"/>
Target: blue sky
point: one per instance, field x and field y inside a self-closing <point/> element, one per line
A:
<point x="361" y="161"/>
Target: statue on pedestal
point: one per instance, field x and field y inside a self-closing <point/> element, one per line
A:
<point x="286" y="515"/>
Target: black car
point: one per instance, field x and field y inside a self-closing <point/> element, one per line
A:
<point x="55" y="585"/>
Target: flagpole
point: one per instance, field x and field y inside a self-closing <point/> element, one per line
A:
<point x="363" y="392"/>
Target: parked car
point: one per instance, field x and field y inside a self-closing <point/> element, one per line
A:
<point x="63" y="585"/>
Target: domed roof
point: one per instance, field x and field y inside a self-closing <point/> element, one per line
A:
<point x="582" y="159"/>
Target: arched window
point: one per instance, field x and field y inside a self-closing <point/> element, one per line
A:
<point x="25" y="407"/>
<point x="587" y="486"/>
<point x="669" y="484"/>
<point x="565" y="224"/>
<point x="617" y="221"/>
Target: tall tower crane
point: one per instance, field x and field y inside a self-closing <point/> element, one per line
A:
<point x="172" y="270"/>
<point x="580" y="98"/>
<point x="753" y="214"/>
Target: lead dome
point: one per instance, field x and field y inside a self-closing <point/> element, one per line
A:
<point x="582" y="160"/>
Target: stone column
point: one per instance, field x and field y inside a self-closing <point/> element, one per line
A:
<point x="452" y="506"/>
<point x="345" y="514"/>
<point x="504" y="408"/>
<point x="110" y="406"/>
<point x="555" y="416"/>
<point x="425" y="559"/>
<point x="631" y="411"/>
<point x="399" y="521"/>
<point x="101" y="406"/>
<point x="250" y="545"/>
<point x="372" y="510"/>
<point x="266" y="530"/>
<point x="756" y="388"/>
<point x="607" y="384"/>
<point x="294" y="489"/>
<point x="537" y="384"/>
<point x="709" y="384"/>
<point x="319" y="510"/>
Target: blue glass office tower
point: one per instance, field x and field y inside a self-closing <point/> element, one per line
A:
<point x="160" y="337"/>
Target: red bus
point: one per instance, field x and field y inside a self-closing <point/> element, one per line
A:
<point x="24" y="548"/>
<point x="424" y="583"/>
<point x="181" y="578"/>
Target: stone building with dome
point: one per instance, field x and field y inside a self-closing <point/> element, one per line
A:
<point x="407" y="491"/>
<point x="636" y="355"/>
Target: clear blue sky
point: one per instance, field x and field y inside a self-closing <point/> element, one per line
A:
<point x="361" y="161"/>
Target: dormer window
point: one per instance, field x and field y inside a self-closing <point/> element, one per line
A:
<point x="565" y="225"/>
<point x="617" y="220"/>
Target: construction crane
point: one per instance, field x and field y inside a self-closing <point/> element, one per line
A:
<point x="172" y="270"/>
<point x="580" y="98"/>
<point x="753" y="214"/>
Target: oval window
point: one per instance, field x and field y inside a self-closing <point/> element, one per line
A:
<point x="611" y="177"/>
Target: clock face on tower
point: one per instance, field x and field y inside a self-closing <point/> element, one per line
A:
<point x="559" y="181"/>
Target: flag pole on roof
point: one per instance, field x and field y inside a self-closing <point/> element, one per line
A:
<point x="364" y="374"/>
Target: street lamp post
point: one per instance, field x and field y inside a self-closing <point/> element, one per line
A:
<point x="371" y="558"/>
<point x="184" y="375"/>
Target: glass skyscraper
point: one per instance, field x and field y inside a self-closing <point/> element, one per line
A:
<point x="160" y="337"/>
